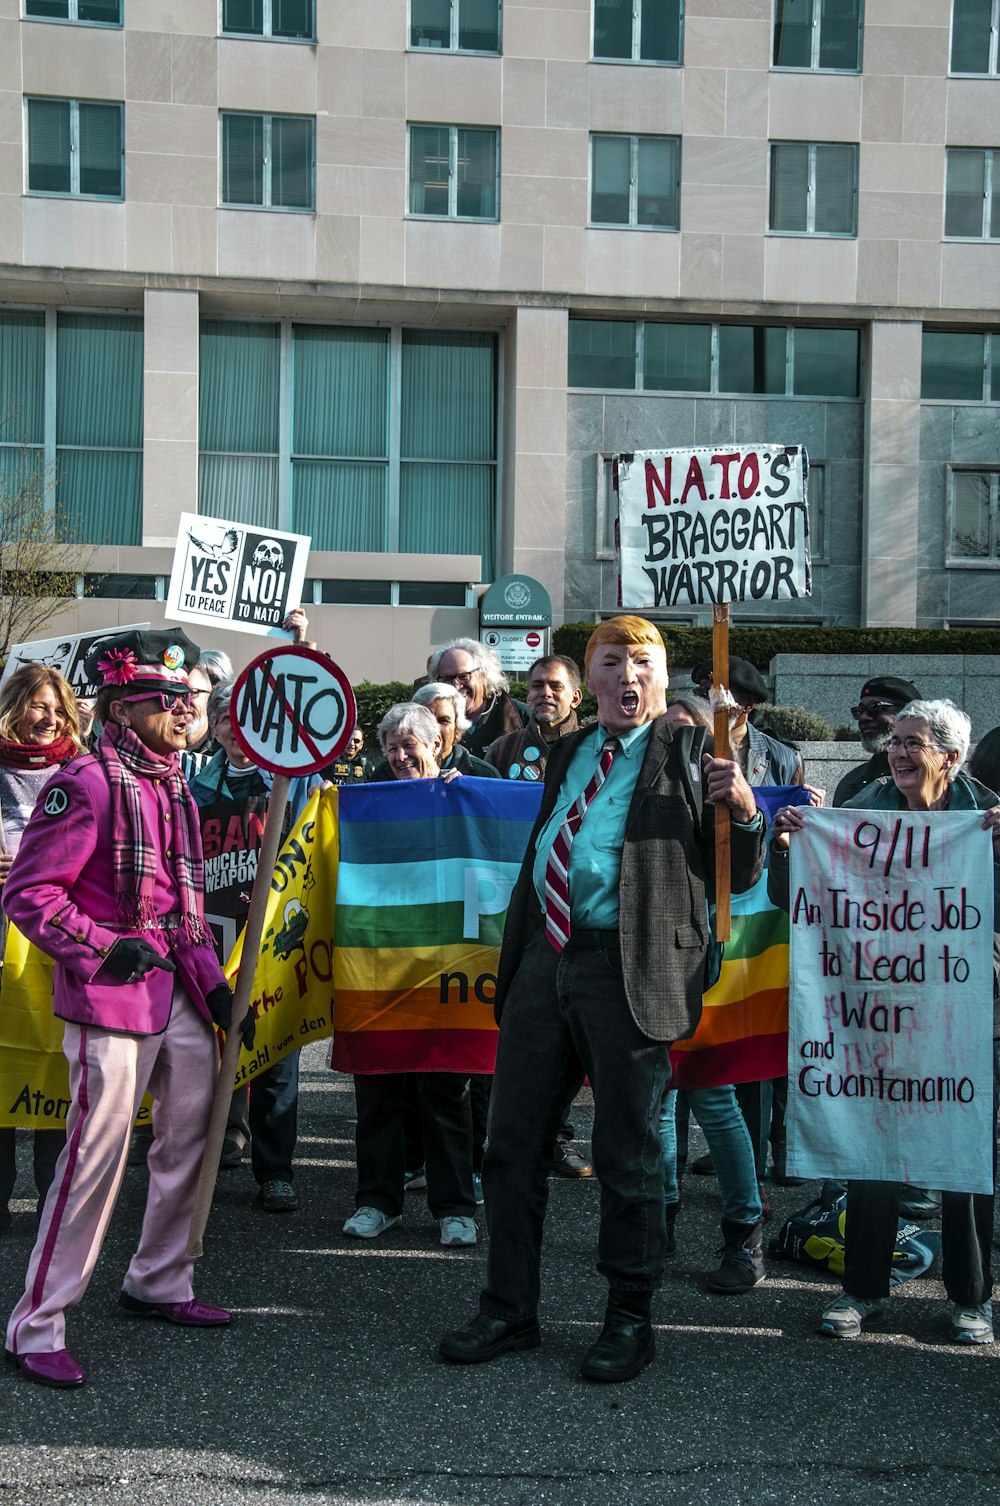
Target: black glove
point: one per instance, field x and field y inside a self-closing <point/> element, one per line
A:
<point x="129" y="960"/>
<point x="220" y="1007"/>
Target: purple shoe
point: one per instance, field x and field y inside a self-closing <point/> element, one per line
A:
<point x="188" y="1314"/>
<point x="56" y="1368"/>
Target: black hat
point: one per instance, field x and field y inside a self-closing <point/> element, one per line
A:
<point x="142" y="659"/>
<point x="746" y="683"/>
<point x="888" y="688"/>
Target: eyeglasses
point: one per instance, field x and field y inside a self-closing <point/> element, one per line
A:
<point x="872" y="708"/>
<point x="169" y="700"/>
<point x="911" y="744"/>
<point x="461" y="677"/>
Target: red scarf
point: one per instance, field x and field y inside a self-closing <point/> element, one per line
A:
<point x="36" y="756"/>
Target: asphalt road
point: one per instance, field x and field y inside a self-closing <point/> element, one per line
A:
<point x="327" y="1388"/>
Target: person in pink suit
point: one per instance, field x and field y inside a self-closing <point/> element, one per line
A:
<point x="108" y="882"/>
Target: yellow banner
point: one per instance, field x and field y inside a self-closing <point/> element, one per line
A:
<point x="34" y="1077"/>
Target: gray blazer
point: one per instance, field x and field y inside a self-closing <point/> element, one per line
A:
<point x="667" y="875"/>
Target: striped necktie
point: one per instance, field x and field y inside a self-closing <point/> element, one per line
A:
<point x="557" y="921"/>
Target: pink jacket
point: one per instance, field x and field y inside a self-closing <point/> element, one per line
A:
<point x="60" y="893"/>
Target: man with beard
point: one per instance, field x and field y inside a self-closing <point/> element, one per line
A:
<point x="553" y="695"/>
<point x="880" y="701"/>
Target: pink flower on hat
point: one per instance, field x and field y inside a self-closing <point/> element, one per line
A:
<point x="118" y="666"/>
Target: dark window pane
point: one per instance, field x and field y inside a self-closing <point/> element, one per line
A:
<point x="793" y="34"/>
<point x="970" y="515"/>
<point x="970" y="36"/>
<point x="479" y="25"/>
<point x="49" y="9"/>
<point x="448" y="397"/>
<point x="48" y="145"/>
<point x="101" y="150"/>
<point x="238" y="391"/>
<point x="124" y="587"/>
<point x="430" y="23"/>
<point x="660" y="31"/>
<point x="107" y="12"/>
<point x="816" y="500"/>
<point x="678" y="358"/>
<point x="657" y="200"/>
<point x="429" y="169"/>
<point x="601" y="353"/>
<point x="291" y="162"/>
<point x="751" y="358"/>
<point x="292" y="18"/>
<point x="245" y="16"/>
<point x="476" y="167"/>
<point x="994" y="224"/>
<point x="612" y="28"/>
<point x="363" y="593"/>
<point x="951" y="366"/>
<point x="22" y="378"/>
<point x="610" y="174"/>
<point x="242" y="159"/>
<point x="839" y="34"/>
<point x="834" y="189"/>
<point x="827" y="363"/>
<point x="995" y="367"/>
<point x="963" y="211"/>
<point x="431" y="593"/>
<point x="789" y="186"/>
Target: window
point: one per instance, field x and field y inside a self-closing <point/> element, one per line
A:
<point x="972" y="198"/>
<point x="125" y="587"/>
<point x="94" y="12"/>
<point x="456" y="25"/>
<point x="973" y="506"/>
<point x="960" y="366"/>
<point x="813" y="188"/>
<point x="268" y="161"/>
<point x="366" y="439"/>
<point x="975" y="25"/>
<point x="635" y="181"/>
<point x="280" y="20"/>
<point x="638" y="31"/>
<point x="742" y="359"/>
<point x="817" y="34"/>
<point x="816" y="499"/>
<point x="88" y="435"/>
<point x="75" y="148"/>
<point x="454" y="172"/>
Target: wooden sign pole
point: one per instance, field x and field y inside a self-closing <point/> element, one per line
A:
<point x="267" y="856"/>
<point x="720" y="682"/>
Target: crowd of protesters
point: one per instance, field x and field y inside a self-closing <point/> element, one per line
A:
<point x="110" y="840"/>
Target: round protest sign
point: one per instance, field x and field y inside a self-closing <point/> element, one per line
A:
<point x="292" y="711"/>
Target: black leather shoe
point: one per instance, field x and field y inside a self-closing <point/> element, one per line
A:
<point x="567" y="1162"/>
<point x="626" y="1344"/>
<point x="483" y="1338"/>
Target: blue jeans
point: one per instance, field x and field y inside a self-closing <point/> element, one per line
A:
<point x="718" y="1113"/>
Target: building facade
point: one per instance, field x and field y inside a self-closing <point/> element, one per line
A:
<point x="404" y="275"/>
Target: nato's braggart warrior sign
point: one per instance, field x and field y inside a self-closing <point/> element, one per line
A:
<point x="234" y="576"/>
<point x="709" y="526"/>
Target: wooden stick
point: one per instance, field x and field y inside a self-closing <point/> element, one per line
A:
<point x="270" y="843"/>
<point x="720" y="681"/>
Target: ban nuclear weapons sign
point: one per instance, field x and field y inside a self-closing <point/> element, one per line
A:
<point x="293" y="711"/>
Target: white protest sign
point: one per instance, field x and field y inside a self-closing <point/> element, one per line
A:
<point x="293" y="711"/>
<point x="66" y="654"/>
<point x="236" y="576"/>
<point x="890" y="1045"/>
<point x="713" y="525"/>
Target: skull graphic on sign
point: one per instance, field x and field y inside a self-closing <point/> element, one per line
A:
<point x="270" y="553"/>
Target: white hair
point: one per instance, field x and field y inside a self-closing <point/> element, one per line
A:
<point x="949" y="726"/>
<point x="437" y="690"/>
<point x="406" y="717"/>
<point x="216" y="664"/>
<point x="483" y="658"/>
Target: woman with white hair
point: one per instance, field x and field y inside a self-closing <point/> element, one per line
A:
<point x="927" y="748"/>
<point x="411" y="741"/>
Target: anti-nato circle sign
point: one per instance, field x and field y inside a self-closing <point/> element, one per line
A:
<point x="292" y="710"/>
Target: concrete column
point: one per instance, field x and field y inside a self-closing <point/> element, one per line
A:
<point x="170" y="412"/>
<point x="534" y="490"/>
<point x="892" y="453"/>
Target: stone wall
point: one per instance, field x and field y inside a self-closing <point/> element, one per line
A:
<point x="830" y="684"/>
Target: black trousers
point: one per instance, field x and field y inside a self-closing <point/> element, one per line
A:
<point x="446" y="1125"/>
<point x="45" y="1147"/>
<point x="565" y="1016"/>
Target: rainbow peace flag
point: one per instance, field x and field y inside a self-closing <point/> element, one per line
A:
<point x="742" y="1035"/>
<point x="425" y="874"/>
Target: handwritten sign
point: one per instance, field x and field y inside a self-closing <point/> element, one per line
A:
<point x="66" y="654"/>
<point x="890" y="1059"/>
<point x="293" y="711"/>
<point x="234" y="576"/>
<point x="706" y="526"/>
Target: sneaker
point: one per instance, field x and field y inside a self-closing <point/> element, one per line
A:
<point x="413" y="1181"/>
<point x="477" y="1188"/>
<point x="277" y="1197"/>
<point x="972" y="1325"/>
<point x="456" y="1230"/>
<point x="848" y="1316"/>
<point x="369" y="1223"/>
